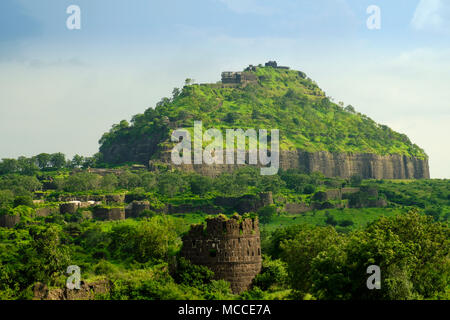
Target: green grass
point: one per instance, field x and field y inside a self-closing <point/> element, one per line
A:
<point x="359" y="217"/>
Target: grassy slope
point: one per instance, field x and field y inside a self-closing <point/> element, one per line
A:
<point x="282" y="99"/>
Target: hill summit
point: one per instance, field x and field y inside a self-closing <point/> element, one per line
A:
<point x="316" y="134"/>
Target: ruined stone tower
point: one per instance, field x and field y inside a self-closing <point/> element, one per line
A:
<point x="229" y="247"/>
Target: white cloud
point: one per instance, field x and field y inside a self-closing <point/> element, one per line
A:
<point x="432" y="15"/>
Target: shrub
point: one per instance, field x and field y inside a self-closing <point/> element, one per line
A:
<point x="23" y="201"/>
<point x="192" y="275"/>
<point x="266" y="213"/>
<point x="273" y="272"/>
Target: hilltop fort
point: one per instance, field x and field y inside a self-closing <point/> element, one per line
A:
<point x="315" y="133"/>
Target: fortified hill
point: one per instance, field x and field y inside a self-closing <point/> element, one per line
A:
<point x="316" y="134"/>
<point x="229" y="247"/>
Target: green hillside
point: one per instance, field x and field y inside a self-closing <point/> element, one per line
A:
<point x="277" y="99"/>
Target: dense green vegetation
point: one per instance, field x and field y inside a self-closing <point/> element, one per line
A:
<point x="319" y="254"/>
<point x="280" y="99"/>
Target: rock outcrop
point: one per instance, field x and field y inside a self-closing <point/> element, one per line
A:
<point x="87" y="291"/>
<point x="369" y="166"/>
<point x="344" y="165"/>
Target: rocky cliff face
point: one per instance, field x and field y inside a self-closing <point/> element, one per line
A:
<point x="369" y="166"/>
<point x="139" y="151"/>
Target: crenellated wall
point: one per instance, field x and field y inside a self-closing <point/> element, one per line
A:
<point x="229" y="247"/>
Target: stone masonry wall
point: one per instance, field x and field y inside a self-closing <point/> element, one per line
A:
<point x="229" y="247"/>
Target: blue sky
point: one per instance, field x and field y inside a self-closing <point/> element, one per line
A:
<point x="61" y="89"/>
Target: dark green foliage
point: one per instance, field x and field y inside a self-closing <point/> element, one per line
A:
<point x="83" y="181"/>
<point x="331" y="221"/>
<point x="356" y="180"/>
<point x="171" y="183"/>
<point x="58" y="160"/>
<point x="192" y="275"/>
<point x="6" y="198"/>
<point x="266" y="213"/>
<point x="129" y="180"/>
<point x="109" y="182"/>
<point x="200" y="184"/>
<point x="300" y="251"/>
<point x="309" y="189"/>
<point x="411" y="251"/>
<point x="23" y="201"/>
<point x="273" y="273"/>
<point x="136" y="254"/>
<point x="45" y="258"/>
<point x="150" y="239"/>
<point x="254" y="294"/>
<point x="346" y="223"/>
<point x="320" y="196"/>
<point x="279" y="236"/>
<point x="19" y="183"/>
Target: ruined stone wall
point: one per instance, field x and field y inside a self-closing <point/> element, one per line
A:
<point x="109" y="213"/>
<point x="229" y="247"/>
<point x="7" y="221"/>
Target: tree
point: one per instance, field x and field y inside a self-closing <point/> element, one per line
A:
<point x="171" y="183"/>
<point x="23" y="201"/>
<point x="124" y="124"/>
<point x="266" y="213"/>
<point x="273" y="272"/>
<point x="47" y="257"/>
<point x="411" y="251"/>
<point x="200" y="184"/>
<point x="58" y="160"/>
<point x="43" y="160"/>
<point x="175" y="93"/>
<point x="192" y="275"/>
<point x="129" y="180"/>
<point x="350" y="109"/>
<point x="6" y="198"/>
<point x="270" y="183"/>
<point x="302" y="250"/>
<point x="83" y="181"/>
<point x="77" y="161"/>
<point x="27" y="165"/>
<point x="109" y="182"/>
<point x="148" y="239"/>
<point x="17" y="183"/>
<point x="8" y="166"/>
<point x="148" y="181"/>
